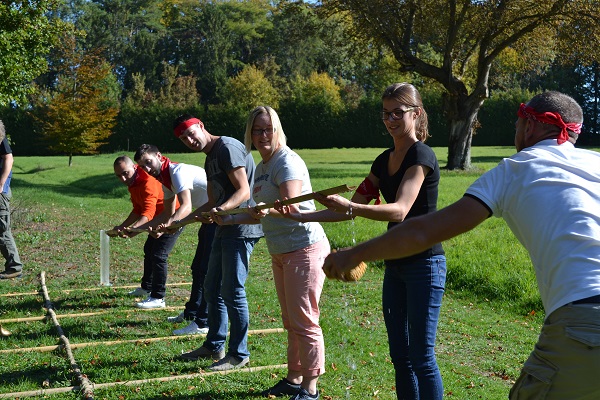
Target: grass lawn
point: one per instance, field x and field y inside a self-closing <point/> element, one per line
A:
<point x="489" y="323"/>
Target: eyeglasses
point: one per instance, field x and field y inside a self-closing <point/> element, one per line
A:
<point x="259" y="132"/>
<point x="396" y="114"/>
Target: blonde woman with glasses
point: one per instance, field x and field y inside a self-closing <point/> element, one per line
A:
<point x="297" y="251"/>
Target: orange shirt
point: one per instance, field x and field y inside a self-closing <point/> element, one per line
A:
<point x="146" y="195"/>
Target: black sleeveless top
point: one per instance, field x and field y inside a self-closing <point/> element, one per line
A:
<point x="426" y="201"/>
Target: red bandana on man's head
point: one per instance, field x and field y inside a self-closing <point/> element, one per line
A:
<point x="182" y="127"/>
<point x="550" y="118"/>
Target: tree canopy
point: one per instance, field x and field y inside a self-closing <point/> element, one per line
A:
<point x="78" y="114"/>
<point x="324" y="63"/>
<point x="26" y="37"/>
<point x="456" y="43"/>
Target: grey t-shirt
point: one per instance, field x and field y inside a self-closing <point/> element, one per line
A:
<point x="284" y="235"/>
<point x="227" y="154"/>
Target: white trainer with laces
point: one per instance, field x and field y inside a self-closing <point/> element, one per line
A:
<point x="191" y="329"/>
<point x="151" y="302"/>
<point x="177" y="319"/>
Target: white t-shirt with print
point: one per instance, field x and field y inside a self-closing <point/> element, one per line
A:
<point x="284" y="235"/>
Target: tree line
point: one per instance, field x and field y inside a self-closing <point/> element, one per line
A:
<point x="119" y="71"/>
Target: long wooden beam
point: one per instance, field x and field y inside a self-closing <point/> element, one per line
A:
<point x="77" y="389"/>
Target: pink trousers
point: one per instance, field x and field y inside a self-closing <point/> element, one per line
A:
<point x="299" y="281"/>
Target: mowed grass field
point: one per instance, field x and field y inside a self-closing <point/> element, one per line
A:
<point x="489" y="321"/>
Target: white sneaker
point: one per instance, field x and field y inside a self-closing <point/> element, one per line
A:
<point x="151" y="302"/>
<point x="139" y="292"/>
<point x="191" y="329"/>
<point x="177" y="319"/>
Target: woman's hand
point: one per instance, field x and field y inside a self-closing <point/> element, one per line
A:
<point x="334" y="202"/>
<point x="287" y="211"/>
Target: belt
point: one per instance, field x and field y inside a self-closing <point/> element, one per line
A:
<point x="588" y="300"/>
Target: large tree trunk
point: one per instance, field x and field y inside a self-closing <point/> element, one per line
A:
<point x="461" y="112"/>
<point x="459" y="145"/>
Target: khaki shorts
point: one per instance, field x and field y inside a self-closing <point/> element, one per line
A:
<point x="565" y="364"/>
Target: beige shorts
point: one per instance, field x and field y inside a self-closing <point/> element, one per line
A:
<point x="565" y="364"/>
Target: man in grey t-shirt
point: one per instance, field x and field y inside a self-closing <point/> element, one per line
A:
<point x="230" y="175"/>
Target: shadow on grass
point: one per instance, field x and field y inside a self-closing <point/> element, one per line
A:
<point x="117" y="330"/>
<point x="364" y="162"/>
<point x="211" y="395"/>
<point x="326" y="173"/>
<point x="97" y="186"/>
<point x="34" y="375"/>
<point x="486" y="159"/>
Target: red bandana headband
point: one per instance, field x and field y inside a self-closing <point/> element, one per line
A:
<point x="550" y="118"/>
<point x="182" y="127"/>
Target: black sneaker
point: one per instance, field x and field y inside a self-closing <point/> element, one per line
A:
<point x="10" y="274"/>
<point x="282" y="387"/>
<point x="304" y="395"/>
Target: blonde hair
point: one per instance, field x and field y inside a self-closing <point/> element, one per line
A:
<point x="2" y="131"/>
<point x="279" y="138"/>
<point x="407" y="94"/>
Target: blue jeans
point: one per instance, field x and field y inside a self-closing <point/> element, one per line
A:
<point x="225" y="293"/>
<point x="196" y="309"/>
<point x="412" y="297"/>
<point x="156" y="254"/>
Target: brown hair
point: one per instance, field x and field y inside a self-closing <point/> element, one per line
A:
<point x="144" y="149"/>
<point x="407" y="94"/>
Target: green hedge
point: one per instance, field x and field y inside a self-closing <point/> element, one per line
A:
<point x="306" y="125"/>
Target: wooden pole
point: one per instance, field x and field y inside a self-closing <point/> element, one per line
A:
<point x="67" y="291"/>
<point x="75" y="389"/>
<point x="293" y="200"/>
<point x="86" y="386"/>
<point x="43" y="349"/>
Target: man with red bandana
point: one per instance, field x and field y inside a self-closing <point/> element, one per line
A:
<point x="549" y="195"/>
<point x="147" y="198"/>
<point x="230" y="173"/>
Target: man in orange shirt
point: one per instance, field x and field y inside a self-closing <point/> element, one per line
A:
<point x="147" y="198"/>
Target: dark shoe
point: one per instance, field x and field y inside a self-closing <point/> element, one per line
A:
<point x="139" y="292"/>
<point x="229" y="362"/>
<point x="177" y="319"/>
<point x="203" y="352"/>
<point x="282" y="387"/>
<point x="10" y="274"/>
<point x="304" y="395"/>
